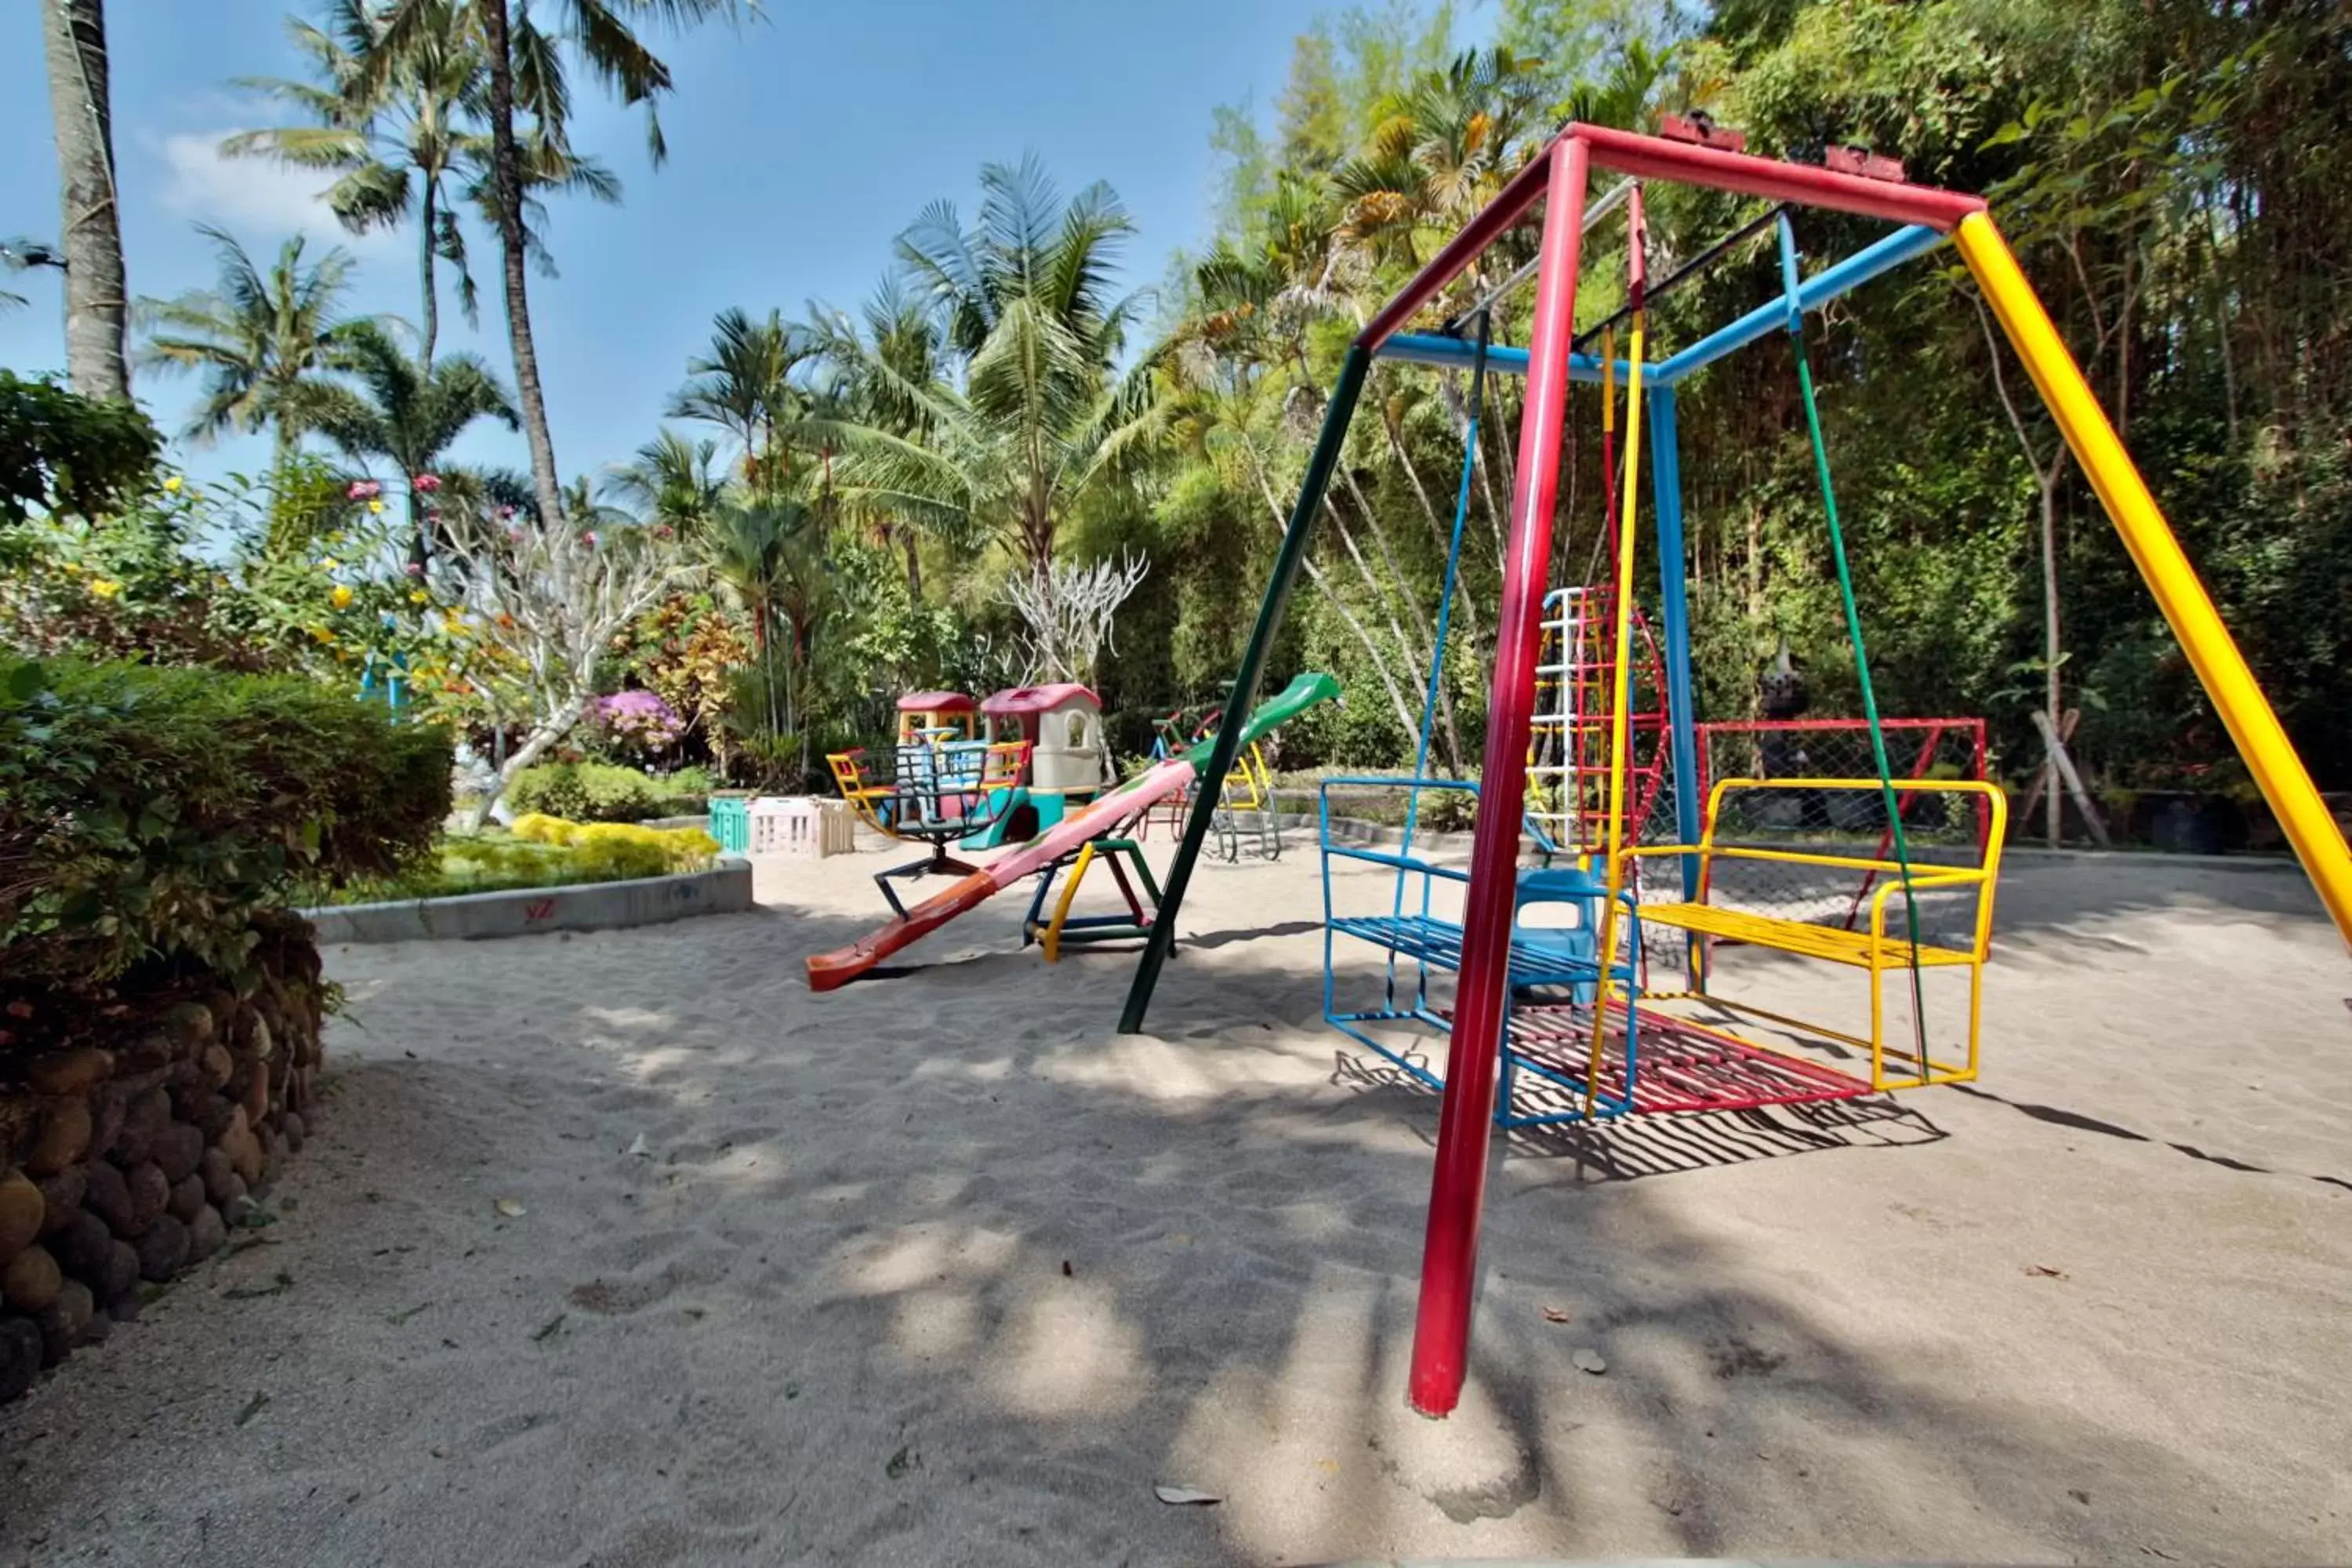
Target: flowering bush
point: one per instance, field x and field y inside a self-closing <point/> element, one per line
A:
<point x="638" y="724"/>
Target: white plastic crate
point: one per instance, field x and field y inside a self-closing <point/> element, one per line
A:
<point x="802" y="827"/>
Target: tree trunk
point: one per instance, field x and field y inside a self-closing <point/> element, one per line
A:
<point x="2053" y="686"/>
<point x="506" y="181"/>
<point x="431" y="286"/>
<point x="914" y="565"/>
<point x="96" y="297"/>
<point x="542" y="735"/>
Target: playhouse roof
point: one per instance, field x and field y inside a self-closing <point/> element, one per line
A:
<point x="935" y="702"/>
<point x="1038" y="698"/>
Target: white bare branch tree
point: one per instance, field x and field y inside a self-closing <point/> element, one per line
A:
<point x="549" y="600"/>
<point x="1069" y="611"/>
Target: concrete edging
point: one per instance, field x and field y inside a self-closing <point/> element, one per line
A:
<point x="725" y="889"/>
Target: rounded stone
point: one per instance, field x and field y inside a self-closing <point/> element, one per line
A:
<point x="69" y="1072"/>
<point x="121" y="1276"/>
<point x="63" y="1140"/>
<point x="218" y="1065"/>
<point x="66" y="1321"/>
<point x="31" y="1279"/>
<point x="150" y="1192"/>
<point x="83" y="1247"/>
<point x="295" y="1129"/>
<point x="178" y="1148"/>
<point x="207" y="1233"/>
<point x="62" y="1193"/>
<point x="192" y="1023"/>
<point x="187" y="1197"/>
<point x="217" y="1174"/>
<point x="22" y="1208"/>
<point x="107" y="1194"/>
<point x="164" y="1250"/>
<point x="143" y="1121"/>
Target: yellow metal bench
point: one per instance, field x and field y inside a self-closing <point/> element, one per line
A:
<point x="1875" y="950"/>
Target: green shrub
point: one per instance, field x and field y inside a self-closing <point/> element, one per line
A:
<point x="587" y="792"/>
<point x="502" y="862"/>
<point x="151" y="812"/>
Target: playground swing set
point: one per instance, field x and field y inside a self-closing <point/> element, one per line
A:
<point x="1548" y="961"/>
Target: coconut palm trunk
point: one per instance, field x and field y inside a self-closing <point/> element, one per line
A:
<point x="96" y="303"/>
<point x="430" y="278"/>
<point x="506" y="177"/>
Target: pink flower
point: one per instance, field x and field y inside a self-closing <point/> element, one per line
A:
<point x="589" y="539"/>
<point x="505" y="513"/>
<point x="417" y="569"/>
<point x="363" y="490"/>
<point x="425" y="483"/>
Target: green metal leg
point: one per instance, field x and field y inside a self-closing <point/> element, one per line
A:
<point x="1320" y="467"/>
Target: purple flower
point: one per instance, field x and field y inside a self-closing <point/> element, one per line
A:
<point x="637" y="719"/>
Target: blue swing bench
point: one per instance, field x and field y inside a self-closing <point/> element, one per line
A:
<point x="1544" y="959"/>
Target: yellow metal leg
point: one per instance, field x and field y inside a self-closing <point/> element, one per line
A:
<point x="1051" y="942"/>
<point x="2269" y="756"/>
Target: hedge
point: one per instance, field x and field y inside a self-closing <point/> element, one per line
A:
<point x="596" y="792"/>
<point x="149" y="812"/>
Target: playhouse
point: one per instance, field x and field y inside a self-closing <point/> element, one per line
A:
<point x="1061" y="725"/>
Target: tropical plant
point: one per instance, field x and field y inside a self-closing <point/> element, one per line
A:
<point x="526" y="66"/>
<point x="405" y="411"/>
<point x="770" y="558"/>
<point x="256" y="339"/>
<point x="1026" y="304"/>
<point x="749" y="385"/>
<point x="81" y="117"/>
<point x="672" y="481"/>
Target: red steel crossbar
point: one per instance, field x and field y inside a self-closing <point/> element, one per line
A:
<point x="1656" y="158"/>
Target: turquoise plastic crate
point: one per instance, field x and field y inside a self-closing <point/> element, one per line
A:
<point x="730" y="823"/>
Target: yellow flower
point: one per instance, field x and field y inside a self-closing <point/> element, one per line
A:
<point x="330" y="563"/>
<point x="376" y="506"/>
<point x="341" y="597"/>
<point x="105" y="587"/>
<point x="419" y="596"/>
<point x="322" y="634"/>
<point x="173" y="484"/>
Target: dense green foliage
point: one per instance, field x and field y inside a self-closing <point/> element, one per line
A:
<point x="67" y="456"/>
<point x="601" y="791"/>
<point x="499" y="862"/>
<point x="149" y="812"/>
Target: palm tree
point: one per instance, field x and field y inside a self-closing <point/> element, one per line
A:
<point x="405" y="411"/>
<point x="256" y="337"/>
<point x="406" y="146"/>
<point x="746" y="385"/>
<point x="675" y="482"/>
<point x="883" y="375"/>
<point x="526" y="73"/>
<point x="768" y="558"/>
<point x="1024" y="298"/>
<point x="97" y="297"/>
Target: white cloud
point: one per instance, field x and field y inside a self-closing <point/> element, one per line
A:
<point x="254" y="198"/>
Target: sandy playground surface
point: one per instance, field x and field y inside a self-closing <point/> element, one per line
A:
<point x="940" y="1269"/>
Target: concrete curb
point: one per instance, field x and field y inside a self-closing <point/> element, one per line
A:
<point x="726" y="889"/>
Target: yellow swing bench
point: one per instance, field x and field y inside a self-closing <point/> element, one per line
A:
<point x="1871" y="949"/>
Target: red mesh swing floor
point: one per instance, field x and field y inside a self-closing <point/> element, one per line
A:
<point x="1681" y="1066"/>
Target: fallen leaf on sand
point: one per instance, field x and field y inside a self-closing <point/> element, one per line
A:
<point x="547" y="1329"/>
<point x="638" y="1147"/>
<point x="253" y="1408"/>
<point x="396" y="1318"/>
<point x="511" y="1209"/>
<point x="1555" y="1314"/>
<point x="1588" y="1360"/>
<point x="2043" y="1271"/>
<point x="1180" y="1496"/>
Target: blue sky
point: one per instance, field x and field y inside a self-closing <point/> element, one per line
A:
<point x="798" y="148"/>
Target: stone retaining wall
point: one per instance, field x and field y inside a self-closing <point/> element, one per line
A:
<point x="135" y="1136"/>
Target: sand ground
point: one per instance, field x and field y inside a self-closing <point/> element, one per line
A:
<point x="941" y="1270"/>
